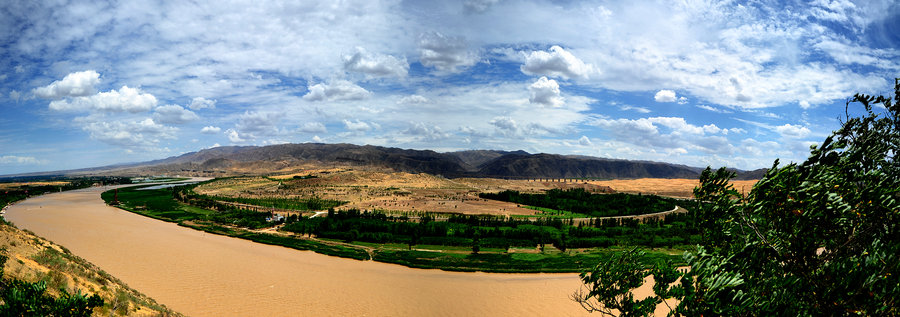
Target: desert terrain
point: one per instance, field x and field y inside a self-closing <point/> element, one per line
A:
<point x="403" y="193"/>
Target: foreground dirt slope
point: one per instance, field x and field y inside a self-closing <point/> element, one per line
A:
<point x="32" y="258"/>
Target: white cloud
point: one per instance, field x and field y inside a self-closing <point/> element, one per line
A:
<point x="202" y="103"/>
<point x="546" y="92"/>
<point x="713" y="109"/>
<point x="426" y="132"/>
<point x="505" y="123"/>
<point x="73" y="85"/>
<point x="142" y="134"/>
<point x="123" y="100"/>
<point x="445" y="53"/>
<point x="20" y="160"/>
<point x="234" y="136"/>
<point x="849" y="53"/>
<point x="792" y="131"/>
<point x="317" y="139"/>
<point x="210" y="130"/>
<point x="336" y="91"/>
<point x="257" y="124"/>
<point x="556" y="63"/>
<point x="376" y="65"/>
<point x="357" y="126"/>
<point x="15" y="95"/>
<point x="668" y="133"/>
<point x="584" y="141"/>
<point x="635" y="108"/>
<point x="313" y="127"/>
<point x="173" y="114"/>
<point x="412" y="99"/>
<point x="665" y="96"/>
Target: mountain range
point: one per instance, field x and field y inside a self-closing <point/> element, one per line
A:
<point x="229" y="160"/>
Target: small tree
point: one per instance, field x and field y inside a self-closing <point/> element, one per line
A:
<point x="819" y="237"/>
<point x="476" y="242"/>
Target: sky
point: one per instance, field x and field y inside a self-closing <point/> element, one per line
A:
<point x="721" y="83"/>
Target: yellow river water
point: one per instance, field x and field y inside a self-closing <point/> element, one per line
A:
<point x="201" y="274"/>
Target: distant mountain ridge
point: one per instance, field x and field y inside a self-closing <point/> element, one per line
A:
<point x="472" y="163"/>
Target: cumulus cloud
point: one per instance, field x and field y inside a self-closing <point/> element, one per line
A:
<point x="173" y="114"/>
<point x="584" y="141"/>
<point x="556" y="63"/>
<point x="73" y="85"/>
<point x="202" y="103"/>
<point x="357" y="126"/>
<point x="19" y="160"/>
<point x="234" y="136"/>
<point x="426" y="132"/>
<point x="445" y="53"/>
<point x="505" y="123"/>
<point x="665" y="96"/>
<point x="313" y="127"/>
<point x="125" y="99"/>
<point x="546" y="92"/>
<point x="412" y="99"/>
<point x="376" y="65"/>
<point x="256" y="124"/>
<point x="141" y="134"/>
<point x="210" y="130"/>
<point x="336" y="91"/>
<point x="792" y="131"/>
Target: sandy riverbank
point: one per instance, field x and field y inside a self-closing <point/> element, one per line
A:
<point x="201" y="274"/>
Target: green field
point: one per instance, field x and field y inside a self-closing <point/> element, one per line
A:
<point x="462" y="243"/>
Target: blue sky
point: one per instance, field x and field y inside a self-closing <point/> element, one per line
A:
<point x="699" y="83"/>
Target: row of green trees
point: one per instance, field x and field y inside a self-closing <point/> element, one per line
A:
<point x="493" y="232"/>
<point x="581" y="201"/>
<point x="305" y="204"/>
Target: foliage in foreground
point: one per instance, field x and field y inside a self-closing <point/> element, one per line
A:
<point x="817" y="238"/>
<point x="20" y="298"/>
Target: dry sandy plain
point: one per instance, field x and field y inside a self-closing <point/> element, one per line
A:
<point x="405" y="193"/>
<point x="392" y="192"/>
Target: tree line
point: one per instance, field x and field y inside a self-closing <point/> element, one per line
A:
<point x="581" y="201"/>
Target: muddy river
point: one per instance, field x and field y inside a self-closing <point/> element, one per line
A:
<point x="201" y="274"/>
